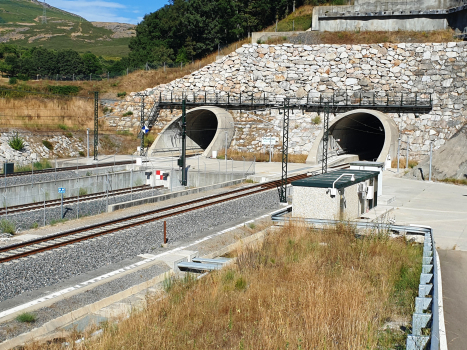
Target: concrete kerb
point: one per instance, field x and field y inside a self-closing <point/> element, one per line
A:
<point x="50" y="328"/>
<point x="163" y="197"/>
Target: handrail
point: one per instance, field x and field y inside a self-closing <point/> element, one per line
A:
<point x="429" y="303"/>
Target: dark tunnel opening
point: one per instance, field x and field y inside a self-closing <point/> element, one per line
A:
<point x="361" y="134"/>
<point x="201" y="127"/>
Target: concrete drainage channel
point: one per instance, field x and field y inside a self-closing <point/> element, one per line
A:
<point x="160" y="266"/>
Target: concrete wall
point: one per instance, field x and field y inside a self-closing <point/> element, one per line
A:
<point x="264" y="36"/>
<point x="22" y="194"/>
<point x="382" y="24"/>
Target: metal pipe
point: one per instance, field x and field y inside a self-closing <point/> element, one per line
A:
<point x="44" y="204"/>
<point x="398" y="152"/>
<point x="407" y="153"/>
<point x="431" y="158"/>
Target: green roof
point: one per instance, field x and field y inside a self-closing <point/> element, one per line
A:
<point x="326" y="180"/>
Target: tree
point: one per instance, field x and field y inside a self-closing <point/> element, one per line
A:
<point x="91" y="64"/>
<point x="69" y="63"/>
<point x="162" y="54"/>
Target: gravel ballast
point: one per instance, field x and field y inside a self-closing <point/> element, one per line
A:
<point x="14" y="328"/>
<point x="50" y="268"/>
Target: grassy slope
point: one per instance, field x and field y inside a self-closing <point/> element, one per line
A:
<point x="63" y="27"/>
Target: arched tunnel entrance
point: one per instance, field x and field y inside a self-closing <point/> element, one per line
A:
<point x="368" y="134"/>
<point x="207" y="129"/>
<point x="361" y="134"/>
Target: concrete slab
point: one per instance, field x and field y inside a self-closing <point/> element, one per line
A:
<point x="441" y="206"/>
<point x="172" y="260"/>
<point x="82" y="324"/>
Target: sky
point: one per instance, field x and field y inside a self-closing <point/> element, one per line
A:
<point x="123" y="11"/>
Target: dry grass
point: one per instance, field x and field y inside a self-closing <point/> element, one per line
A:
<point x="301" y="289"/>
<point x="353" y="38"/>
<point x="35" y="113"/>
<point x="412" y="163"/>
<point x="262" y="157"/>
<point x="451" y="180"/>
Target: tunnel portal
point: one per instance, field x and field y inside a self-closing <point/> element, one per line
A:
<point x="361" y="134"/>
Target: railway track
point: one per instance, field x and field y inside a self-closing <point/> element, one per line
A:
<point x="68" y="168"/>
<point x="70" y="200"/>
<point x="61" y="239"/>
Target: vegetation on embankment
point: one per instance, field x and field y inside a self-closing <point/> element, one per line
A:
<point x="301" y="289"/>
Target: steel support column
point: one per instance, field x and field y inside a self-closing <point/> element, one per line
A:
<point x="141" y="151"/>
<point x="324" y="162"/>
<point x="184" y="179"/>
<point x="285" y="152"/>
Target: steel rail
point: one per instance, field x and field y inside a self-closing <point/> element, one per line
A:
<point x="258" y="188"/>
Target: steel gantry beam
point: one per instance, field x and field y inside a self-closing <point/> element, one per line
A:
<point x="338" y="102"/>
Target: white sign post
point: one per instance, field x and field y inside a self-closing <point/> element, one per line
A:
<point x="271" y="141"/>
<point x="61" y="190"/>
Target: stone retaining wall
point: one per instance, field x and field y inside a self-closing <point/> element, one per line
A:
<point x="297" y="70"/>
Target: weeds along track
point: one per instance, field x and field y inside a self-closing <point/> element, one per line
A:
<point x="69" y="168"/>
<point x="71" y="200"/>
<point x="61" y="239"/>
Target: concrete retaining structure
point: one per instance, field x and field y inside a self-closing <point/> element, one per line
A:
<point x="301" y="70"/>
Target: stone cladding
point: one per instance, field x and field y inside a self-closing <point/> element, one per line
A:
<point x="297" y="70"/>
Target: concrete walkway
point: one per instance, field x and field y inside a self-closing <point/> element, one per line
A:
<point x="444" y="208"/>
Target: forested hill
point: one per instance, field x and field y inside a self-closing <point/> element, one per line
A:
<point x="188" y="29"/>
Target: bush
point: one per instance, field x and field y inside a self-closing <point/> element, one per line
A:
<point x="48" y="145"/>
<point x="81" y="154"/>
<point x="43" y="164"/>
<point x="23" y="77"/>
<point x="64" y="89"/>
<point x="63" y="127"/>
<point x="69" y="135"/>
<point x="12" y="81"/>
<point x="121" y="94"/>
<point x="124" y="132"/>
<point x="16" y="142"/>
<point x="316" y="120"/>
<point x="127" y="113"/>
<point x="7" y="226"/>
<point x="26" y="317"/>
<point x="83" y="191"/>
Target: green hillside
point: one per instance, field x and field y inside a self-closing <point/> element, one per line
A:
<point x="21" y="24"/>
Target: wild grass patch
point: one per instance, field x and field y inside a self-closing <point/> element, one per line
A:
<point x="300" y="289"/>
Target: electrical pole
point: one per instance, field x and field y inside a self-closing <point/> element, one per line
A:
<point x="96" y="123"/>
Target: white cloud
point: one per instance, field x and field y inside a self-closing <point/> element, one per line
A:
<point x="97" y="11"/>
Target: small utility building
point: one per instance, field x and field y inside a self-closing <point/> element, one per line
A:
<point x="338" y="195"/>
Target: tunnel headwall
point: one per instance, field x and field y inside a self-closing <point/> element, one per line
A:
<point x="298" y="70"/>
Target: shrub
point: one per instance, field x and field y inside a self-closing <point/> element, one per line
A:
<point x="43" y="164"/>
<point x="69" y="135"/>
<point x="316" y="120"/>
<point x="148" y="140"/>
<point x="35" y="225"/>
<point x="7" y="226"/>
<point x="81" y="154"/>
<point x="64" y="89"/>
<point x="121" y="94"/>
<point x="127" y="113"/>
<point x="83" y="191"/>
<point x="48" y="145"/>
<point x="63" y="127"/>
<point x="23" y="77"/>
<point x="26" y="317"/>
<point x="240" y="284"/>
<point x="16" y="142"/>
<point x="124" y="132"/>
<point x="12" y="81"/>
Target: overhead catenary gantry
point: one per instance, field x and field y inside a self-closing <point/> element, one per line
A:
<point x="326" y="103"/>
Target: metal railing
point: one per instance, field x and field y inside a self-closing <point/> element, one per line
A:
<point x="428" y="330"/>
<point x="338" y="100"/>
